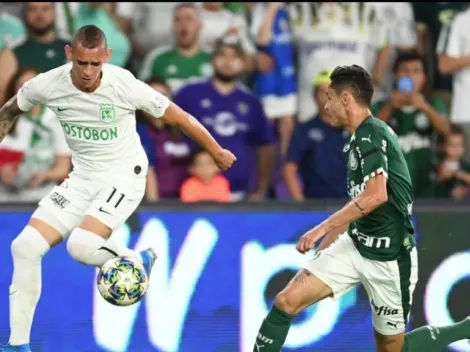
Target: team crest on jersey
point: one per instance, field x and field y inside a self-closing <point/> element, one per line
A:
<point x="107" y="113"/>
<point x="352" y="161"/>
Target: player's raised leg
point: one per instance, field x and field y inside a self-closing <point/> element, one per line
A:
<point x="27" y="250"/>
<point x="324" y="276"/>
<point x="435" y="339"/>
<point x="89" y="243"/>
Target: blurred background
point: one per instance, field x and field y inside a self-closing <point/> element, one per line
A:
<point x="255" y="75"/>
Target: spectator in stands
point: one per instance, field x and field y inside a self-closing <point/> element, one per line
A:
<point x="186" y="59"/>
<point x="400" y="26"/>
<point x="329" y="34"/>
<point x="431" y="18"/>
<point x="454" y="50"/>
<point x="66" y="14"/>
<point x="235" y="117"/>
<point x="8" y="66"/>
<point x="12" y="28"/>
<point x="12" y="8"/>
<point x="452" y="178"/>
<point x="206" y="182"/>
<point x="103" y="15"/>
<point x="414" y="118"/>
<point x="41" y="47"/>
<point x="316" y="153"/>
<point x="274" y="81"/>
<point x="168" y="152"/>
<point x="34" y="156"/>
<point x="218" y="22"/>
<point x="151" y="26"/>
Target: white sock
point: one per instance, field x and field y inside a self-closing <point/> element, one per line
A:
<point x="27" y="250"/>
<point x="88" y="248"/>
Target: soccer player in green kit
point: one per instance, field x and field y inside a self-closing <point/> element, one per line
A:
<point x="370" y="240"/>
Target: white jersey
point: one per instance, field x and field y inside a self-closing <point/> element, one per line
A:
<point x="100" y="127"/>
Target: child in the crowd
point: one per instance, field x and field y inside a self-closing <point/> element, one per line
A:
<point x="206" y="182"/>
<point x="452" y="176"/>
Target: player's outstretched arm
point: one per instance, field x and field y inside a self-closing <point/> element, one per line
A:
<point x="373" y="196"/>
<point x="176" y="116"/>
<point x="8" y="115"/>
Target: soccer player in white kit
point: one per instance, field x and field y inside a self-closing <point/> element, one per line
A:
<point x="95" y="103"/>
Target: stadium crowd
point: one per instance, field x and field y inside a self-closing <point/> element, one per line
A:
<point x="255" y="74"/>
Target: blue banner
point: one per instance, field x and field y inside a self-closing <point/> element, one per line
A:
<point x="215" y="279"/>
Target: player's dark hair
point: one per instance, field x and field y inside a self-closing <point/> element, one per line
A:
<point x="354" y="79"/>
<point x="11" y="88"/>
<point x="406" y="57"/>
<point x="89" y="37"/>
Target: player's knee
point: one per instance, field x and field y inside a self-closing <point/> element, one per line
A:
<point x="77" y="248"/>
<point x="29" y="244"/>
<point x="286" y="303"/>
<point x="83" y="244"/>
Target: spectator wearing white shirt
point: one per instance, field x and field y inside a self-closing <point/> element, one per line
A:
<point x="151" y="26"/>
<point x="400" y="26"/>
<point x="454" y="58"/>
<point x="42" y="155"/>
<point x="332" y="34"/>
<point x="218" y="22"/>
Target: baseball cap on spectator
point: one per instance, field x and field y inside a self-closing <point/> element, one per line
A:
<point x="230" y="42"/>
<point x="321" y="78"/>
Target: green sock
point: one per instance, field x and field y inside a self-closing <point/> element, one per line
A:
<point x="435" y="339"/>
<point x="273" y="331"/>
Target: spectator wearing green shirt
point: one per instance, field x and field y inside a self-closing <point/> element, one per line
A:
<point x="414" y="118"/>
<point x="41" y="48"/>
<point x="186" y="59"/>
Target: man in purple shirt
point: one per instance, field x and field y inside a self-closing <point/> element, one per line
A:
<point x="235" y="117"/>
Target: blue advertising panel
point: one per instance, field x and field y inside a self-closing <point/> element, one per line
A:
<point x="215" y="279"/>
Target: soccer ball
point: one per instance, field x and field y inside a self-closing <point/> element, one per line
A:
<point x="122" y="281"/>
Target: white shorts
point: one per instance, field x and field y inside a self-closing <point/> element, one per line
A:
<point x="389" y="285"/>
<point x="110" y="198"/>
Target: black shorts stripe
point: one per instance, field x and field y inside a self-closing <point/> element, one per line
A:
<point x="110" y="251"/>
<point x="404" y="268"/>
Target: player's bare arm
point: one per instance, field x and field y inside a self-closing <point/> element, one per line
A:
<point x="8" y="115"/>
<point x="176" y="116"/>
<point x="374" y="196"/>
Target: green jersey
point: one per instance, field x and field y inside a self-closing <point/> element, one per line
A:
<point x="415" y="132"/>
<point x="388" y="231"/>
<point x="44" y="57"/>
<point x="169" y="64"/>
